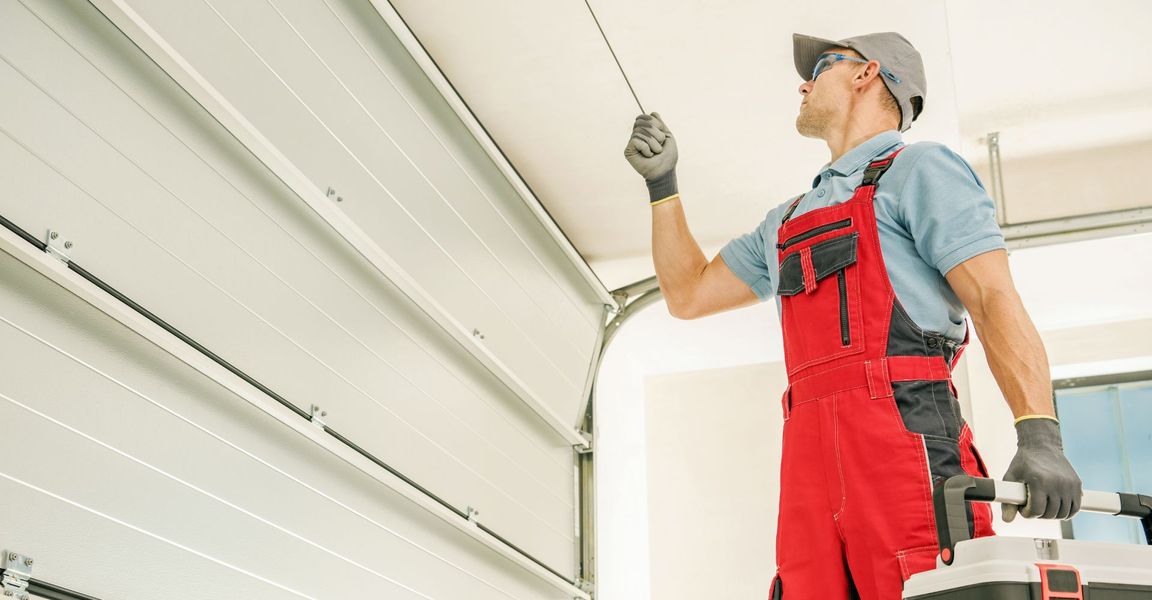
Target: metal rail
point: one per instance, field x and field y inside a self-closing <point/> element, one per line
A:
<point x="997" y="176"/>
<point x="1077" y="228"/>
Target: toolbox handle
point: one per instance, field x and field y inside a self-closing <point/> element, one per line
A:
<point x="950" y="501"/>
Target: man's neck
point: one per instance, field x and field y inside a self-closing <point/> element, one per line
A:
<point x="844" y="141"/>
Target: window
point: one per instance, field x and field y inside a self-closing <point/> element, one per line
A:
<point x="1106" y="423"/>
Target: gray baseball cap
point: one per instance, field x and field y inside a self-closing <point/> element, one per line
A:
<point x="890" y="49"/>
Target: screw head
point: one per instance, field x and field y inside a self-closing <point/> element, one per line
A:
<point x="52" y="235"/>
<point x="323" y="413"/>
<point x="67" y="244"/>
<point x="12" y="556"/>
<point x="27" y="562"/>
<point x="339" y="198"/>
<point x="9" y="593"/>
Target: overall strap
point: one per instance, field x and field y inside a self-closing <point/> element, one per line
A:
<point x="791" y="209"/>
<point x="878" y="167"/>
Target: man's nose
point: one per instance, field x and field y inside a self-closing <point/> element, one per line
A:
<point x="805" y="88"/>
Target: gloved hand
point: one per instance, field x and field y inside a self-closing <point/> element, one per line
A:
<point x="652" y="152"/>
<point x="1054" y="489"/>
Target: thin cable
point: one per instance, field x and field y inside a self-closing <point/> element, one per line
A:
<point x="614" y="57"/>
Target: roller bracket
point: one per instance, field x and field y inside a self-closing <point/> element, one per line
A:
<point x="586" y="447"/>
<point x="17" y="572"/>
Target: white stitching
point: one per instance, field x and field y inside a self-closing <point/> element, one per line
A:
<point x="839" y="466"/>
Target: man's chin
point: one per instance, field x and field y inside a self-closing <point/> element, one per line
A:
<point x="808" y="129"/>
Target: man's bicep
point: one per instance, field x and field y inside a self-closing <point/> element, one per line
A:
<point x="981" y="278"/>
<point x="719" y="290"/>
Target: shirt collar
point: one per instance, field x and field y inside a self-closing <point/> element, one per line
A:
<point x="859" y="157"/>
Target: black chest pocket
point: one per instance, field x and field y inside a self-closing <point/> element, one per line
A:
<point x="819" y="291"/>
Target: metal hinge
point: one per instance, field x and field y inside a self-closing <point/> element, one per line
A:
<point x="57" y="246"/>
<point x="17" y="572"/>
<point x="318" y="416"/>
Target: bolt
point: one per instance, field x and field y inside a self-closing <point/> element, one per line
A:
<point x="339" y="198"/>
<point x="53" y="235"/>
<point x="9" y="593"/>
<point x="27" y="562"/>
<point x="323" y="413"/>
<point x="67" y="244"/>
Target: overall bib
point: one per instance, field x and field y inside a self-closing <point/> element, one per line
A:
<point x="871" y="420"/>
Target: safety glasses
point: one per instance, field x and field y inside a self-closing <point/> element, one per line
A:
<point x="828" y="59"/>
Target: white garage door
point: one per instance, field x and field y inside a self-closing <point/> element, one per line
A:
<point x="315" y="214"/>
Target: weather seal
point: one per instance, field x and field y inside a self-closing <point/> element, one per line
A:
<point x="140" y="33"/>
<point x="67" y="274"/>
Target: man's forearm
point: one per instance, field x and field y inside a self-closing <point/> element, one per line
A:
<point x="1015" y="353"/>
<point x="1018" y="361"/>
<point x="676" y="256"/>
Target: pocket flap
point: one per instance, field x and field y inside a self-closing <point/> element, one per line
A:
<point x="828" y="257"/>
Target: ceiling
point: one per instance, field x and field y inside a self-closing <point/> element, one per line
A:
<point x="538" y="75"/>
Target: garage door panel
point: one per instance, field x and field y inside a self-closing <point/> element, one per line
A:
<point x="200" y="301"/>
<point x="334" y="30"/>
<point x="365" y="134"/>
<point x="319" y="144"/>
<point x="170" y="423"/>
<point x="167" y="207"/>
<point x="234" y="198"/>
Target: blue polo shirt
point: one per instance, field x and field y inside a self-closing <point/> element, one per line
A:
<point x="932" y="214"/>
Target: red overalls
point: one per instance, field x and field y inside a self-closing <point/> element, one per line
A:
<point x="871" y="420"/>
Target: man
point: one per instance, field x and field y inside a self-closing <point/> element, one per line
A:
<point x="873" y="270"/>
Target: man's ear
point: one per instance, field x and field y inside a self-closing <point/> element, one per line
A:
<point x="867" y="72"/>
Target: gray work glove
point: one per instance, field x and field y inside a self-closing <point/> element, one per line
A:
<point x="652" y="152"/>
<point x="1054" y="489"/>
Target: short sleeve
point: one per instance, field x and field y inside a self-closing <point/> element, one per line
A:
<point x="944" y="207"/>
<point x="745" y="257"/>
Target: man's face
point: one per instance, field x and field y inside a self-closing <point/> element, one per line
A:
<point x="825" y="100"/>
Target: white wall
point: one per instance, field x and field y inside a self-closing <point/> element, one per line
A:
<point x="653" y="343"/>
<point x="713" y="480"/>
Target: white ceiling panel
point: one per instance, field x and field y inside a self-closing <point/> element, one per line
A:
<point x="1052" y="76"/>
<point x="543" y="82"/>
<point x="1058" y="76"/>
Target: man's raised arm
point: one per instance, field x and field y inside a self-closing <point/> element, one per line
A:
<point x="692" y="286"/>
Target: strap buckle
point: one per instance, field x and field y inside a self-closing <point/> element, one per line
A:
<point x="877" y="168"/>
